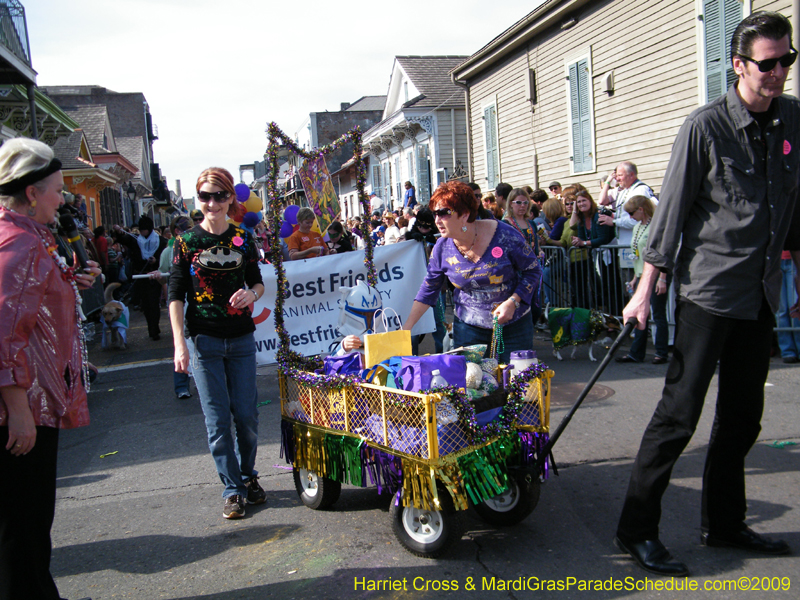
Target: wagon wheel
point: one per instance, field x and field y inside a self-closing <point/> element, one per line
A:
<point x="426" y="533"/>
<point x="513" y="505"/>
<point x="315" y="492"/>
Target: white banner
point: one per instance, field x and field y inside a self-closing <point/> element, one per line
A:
<point x="311" y="312"/>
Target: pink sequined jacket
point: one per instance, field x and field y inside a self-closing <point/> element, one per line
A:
<point x="39" y="344"/>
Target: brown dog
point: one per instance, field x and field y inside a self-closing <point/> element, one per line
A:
<point x="115" y="319"/>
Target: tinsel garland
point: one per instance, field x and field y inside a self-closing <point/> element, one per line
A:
<point x="450" y="476"/>
<point x="531" y="445"/>
<point x="343" y="455"/>
<point x="287" y="358"/>
<point x="287" y="441"/>
<point x="484" y="470"/>
<point x="309" y="449"/>
<point x="503" y="424"/>
<point x="419" y="485"/>
<point x="385" y="470"/>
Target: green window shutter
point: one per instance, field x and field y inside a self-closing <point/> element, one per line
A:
<point x="423" y="175"/>
<point x="720" y="18"/>
<point x="580" y="116"/>
<point x="377" y="187"/>
<point x="492" y="150"/>
<point x="411" y="171"/>
<point x="387" y="186"/>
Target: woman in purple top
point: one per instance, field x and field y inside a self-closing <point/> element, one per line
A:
<point x="494" y="271"/>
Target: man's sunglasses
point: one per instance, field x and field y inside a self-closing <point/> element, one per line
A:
<point x="218" y="196"/>
<point x="766" y="65"/>
<point x="442" y="212"/>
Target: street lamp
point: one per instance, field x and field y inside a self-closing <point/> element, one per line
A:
<point x="131" y="192"/>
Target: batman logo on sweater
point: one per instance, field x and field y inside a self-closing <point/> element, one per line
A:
<point x="220" y="258"/>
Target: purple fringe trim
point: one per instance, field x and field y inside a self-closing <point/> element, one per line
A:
<point x="287" y="441"/>
<point x="531" y="445"/>
<point x="385" y="470"/>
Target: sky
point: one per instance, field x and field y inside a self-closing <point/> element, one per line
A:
<point x="216" y="73"/>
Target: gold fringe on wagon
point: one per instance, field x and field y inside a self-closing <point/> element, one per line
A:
<point x="309" y="450"/>
<point x="419" y="485"/>
<point x="450" y="476"/>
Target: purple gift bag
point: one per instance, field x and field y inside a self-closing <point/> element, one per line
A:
<point x="415" y="371"/>
<point x="351" y="363"/>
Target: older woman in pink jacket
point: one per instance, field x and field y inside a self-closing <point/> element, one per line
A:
<point x="42" y="363"/>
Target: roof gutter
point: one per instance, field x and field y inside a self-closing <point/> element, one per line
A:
<point x="549" y="14"/>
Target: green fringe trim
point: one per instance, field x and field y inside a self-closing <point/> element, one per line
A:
<point x="343" y="455"/>
<point x="484" y="472"/>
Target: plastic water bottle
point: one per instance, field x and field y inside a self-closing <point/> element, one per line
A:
<point x="437" y="381"/>
<point x="445" y="413"/>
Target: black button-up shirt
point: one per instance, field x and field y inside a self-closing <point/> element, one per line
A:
<point x="726" y="206"/>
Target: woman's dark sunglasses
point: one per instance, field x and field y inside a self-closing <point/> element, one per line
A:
<point x="766" y="65"/>
<point x="442" y="212"/>
<point x="218" y="196"/>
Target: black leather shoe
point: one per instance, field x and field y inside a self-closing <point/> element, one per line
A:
<point x="652" y="556"/>
<point x="626" y="359"/>
<point x="660" y="360"/>
<point x="745" y="539"/>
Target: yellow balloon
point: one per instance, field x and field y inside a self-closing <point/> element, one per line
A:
<point x="253" y="203"/>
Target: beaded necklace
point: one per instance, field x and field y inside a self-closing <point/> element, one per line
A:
<point x="639" y="233"/>
<point x="68" y="275"/>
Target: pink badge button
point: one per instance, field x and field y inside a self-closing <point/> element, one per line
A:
<point x="787" y="147"/>
<point x="497" y="252"/>
<point x="237" y="241"/>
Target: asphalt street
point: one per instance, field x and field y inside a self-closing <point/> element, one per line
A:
<point x="139" y="512"/>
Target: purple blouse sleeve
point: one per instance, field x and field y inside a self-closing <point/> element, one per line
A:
<point x="434" y="280"/>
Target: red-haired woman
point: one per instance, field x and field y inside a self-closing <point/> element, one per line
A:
<point x="495" y="273"/>
<point x="215" y="268"/>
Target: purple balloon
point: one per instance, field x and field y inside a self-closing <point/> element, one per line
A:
<point x="290" y="214"/>
<point x="242" y="191"/>
<point x="286" y="229"/>
<point x="251" y="219"/>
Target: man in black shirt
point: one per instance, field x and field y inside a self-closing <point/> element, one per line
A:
<point x="725" y="214"/>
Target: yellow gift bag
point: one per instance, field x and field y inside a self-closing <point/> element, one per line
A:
<point x="380" y="346"/>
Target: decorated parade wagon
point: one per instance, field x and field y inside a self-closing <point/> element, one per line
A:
<point x="340" y="428"/>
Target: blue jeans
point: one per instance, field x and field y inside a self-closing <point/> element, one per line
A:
<point x="225" y="376"/>
<point x="658" y="310"/>
<point x="516" y="336"/>
<point x="788" y="341"/>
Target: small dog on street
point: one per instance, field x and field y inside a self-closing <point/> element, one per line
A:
<point x="116" y="318"/>
<point x="578" y="326"/>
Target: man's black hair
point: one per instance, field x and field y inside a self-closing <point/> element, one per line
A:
<point x="761" y="24"/>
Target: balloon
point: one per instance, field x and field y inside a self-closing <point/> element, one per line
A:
<point x="242" y="191"/>
<point x="286" y="229"/>
<point x="250" y="220"/>
<point x="290" y="214"/>
<point x="253" y="203"/>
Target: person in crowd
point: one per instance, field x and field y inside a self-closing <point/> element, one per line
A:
<point x="402" y="225"/>
<point x="145" y="252"/>
<point x="378" y="234"/>
<point x="197" y="216"/>
<point x="392" y="233"/>
<point x="591" y="234"/>
<point x="101" y="245"/>
<point x="219" y="319"/>
<point x="538" y="197"/>
<point x="641" y="210"/>
<point x="180" y="381"/>
<point x="587" y="234"/>
<point x="339" y="240"/>
<point x="495" y="273"/>
<point x="501" y="193"/>
<point x="720" y="231"/>
<point x="42" y="372"/>
<point x="555" y="189"/>
<point x="519" y="216"/>
<point x="628" y="186"/>
<point x="554" y="217"/>
<point x="410" y="197"/>
<point x="788" y="341"/>
<point x="424" y="229"/>
<point x="305" y="243"/>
